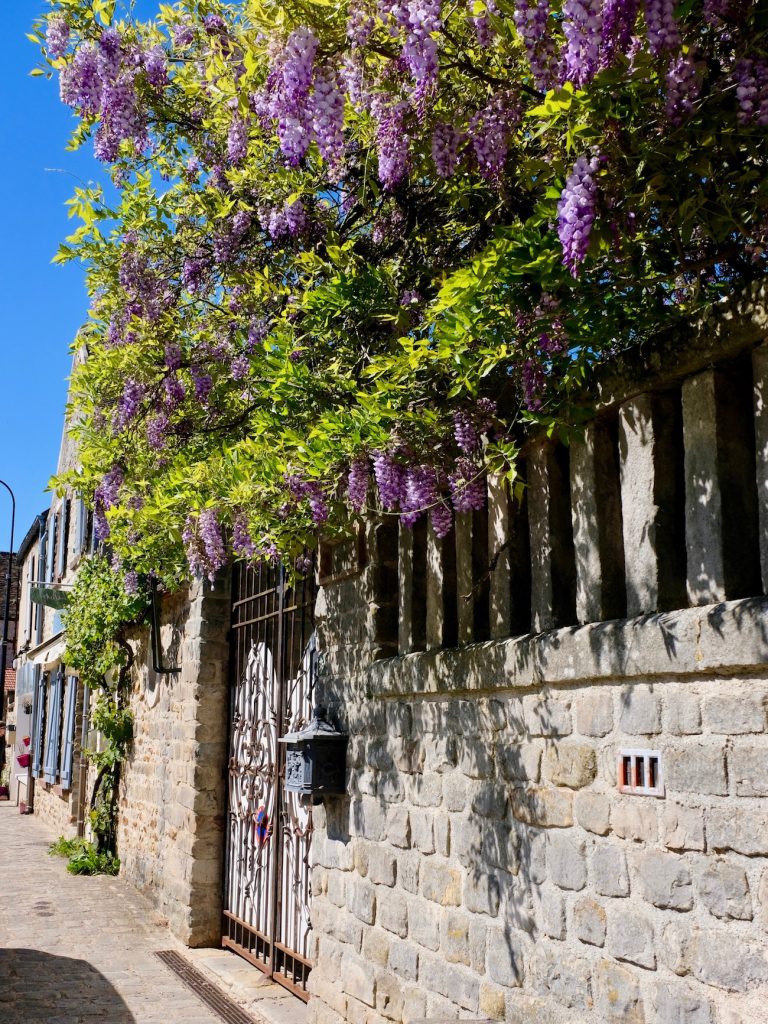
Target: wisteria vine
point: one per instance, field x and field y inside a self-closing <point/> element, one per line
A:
<point x="355" y="247"/>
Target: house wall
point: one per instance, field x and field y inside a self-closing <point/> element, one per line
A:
<point x="173" y="789"/>
<point x="484" y="863"/>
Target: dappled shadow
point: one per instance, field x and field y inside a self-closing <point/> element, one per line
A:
<point x="39" y="988"/>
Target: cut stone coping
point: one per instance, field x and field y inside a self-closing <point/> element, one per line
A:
<point x="730" y="638"/>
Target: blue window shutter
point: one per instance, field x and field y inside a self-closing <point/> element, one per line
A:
<point x="51" y="766"/>
<point x="39" y="713"/>
<point x="61" y="561"/>
<point x="68" y="744"/>
<point x="50" y="545"/>
<point x="82" y="526"/>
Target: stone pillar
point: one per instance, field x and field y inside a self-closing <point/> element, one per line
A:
<point x="705" y="580"/>
<point x="205" y="685"/>
<point x="760" y="376"/>
<point x="597" y="535"/>
<point x="464" y="578"/>
<point x="499" y="549"/>
<point x="441" y="626"/>
<point x="405" y="590"/>
<point x="549" y="517"/>
<point x="650" y="440"/>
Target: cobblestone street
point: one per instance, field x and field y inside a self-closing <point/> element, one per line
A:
<point x="76" y="950"/>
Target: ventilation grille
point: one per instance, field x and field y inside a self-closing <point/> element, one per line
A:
<point x="640" y="772"/>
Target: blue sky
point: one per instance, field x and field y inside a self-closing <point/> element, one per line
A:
<point x="42" y="305"/>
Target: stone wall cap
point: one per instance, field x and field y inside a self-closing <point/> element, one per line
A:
<point x="731" y="637"/>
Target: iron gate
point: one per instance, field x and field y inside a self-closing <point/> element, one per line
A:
<point x="267" y="885"/>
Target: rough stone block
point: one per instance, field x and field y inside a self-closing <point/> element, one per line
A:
<point x="678" y="1003"/>
<point x="682" y="715"/>
<point x="741" y="830"/>
<point x="733" y="714"/>
<point x="408" y="864"/>
<point x="593" y="812"/>
<point x="463" y="988"/>
<point x="500" y="846"/>
<point x="492" y="1002"/>
<point x="630" y="937"/>
<point x="640" y="712"/>
<point x="382" y="865"/>
<point x="490" y="800"/>
<point x="594" y="713"/>
<point x="399" y="827"/>
<point x="683" y="827"/>
<point x="565" y="979"/>
<point x="519" y="762"/>
<point x="422" y="832"/>
<point x="404" y="959"/>
<point x="665" y="881"/>
<point x="589" y="922"/>
<point x="748" y="769"/>
<point x="542" y="806"/>
<point x="566" y="861"/>
<point x="455" y="789"/>
<point x="553" y="914"/>
<point x="609" y="871"/>
<point x="481" y="893"/>
<point x="336" y="889"/>
<point x="467" y="840"/>
<point x="389" y="997"/>
<point x="475" y="757"/>
<point x="721" y="959"/>
<point x="440" y="883"/>
<point x="426" y="790"/>
<point x="376" y="945"/>
<point x="361" y="899"/>
<point x="547" y="716"/>
<point x="672" y="948"/>
<point x="439" y="753"/>
<point x="392" y="912"/>
<point x="617" y="994"/>
<point x="762" y="895"/>
<point x="454" y="937"/>
<point x="505" y="958"/>
<point x="358" y="979"/>
<point x="570" y="764"/>
<point x="635" y="818"/>
<point x="442" y="835"/>
<point x="423" y="924"/>
<point x="724" y="890"/>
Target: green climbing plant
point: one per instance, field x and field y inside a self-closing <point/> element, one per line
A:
<point x="99" y="614"/>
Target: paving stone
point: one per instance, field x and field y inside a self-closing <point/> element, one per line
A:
<point x="53" y="969"/>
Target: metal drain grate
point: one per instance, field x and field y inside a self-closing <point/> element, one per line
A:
<point x="212" y="996"/>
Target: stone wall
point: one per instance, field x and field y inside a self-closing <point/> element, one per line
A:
<point x="173" y="796"/>
<point x="484" y="862"/>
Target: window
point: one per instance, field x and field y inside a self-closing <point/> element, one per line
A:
<point x="56" y="732"/>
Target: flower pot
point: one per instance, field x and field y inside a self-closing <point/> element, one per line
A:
<point x="24" y="760"/>
<point x="25" y="741"/>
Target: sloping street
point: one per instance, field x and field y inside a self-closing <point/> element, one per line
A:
<point x="76" y="950"/>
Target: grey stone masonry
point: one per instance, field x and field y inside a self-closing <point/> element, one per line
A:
<point x="703" y="506"/>
<point x="491" y="868"/>
<point x="760" y="377"/>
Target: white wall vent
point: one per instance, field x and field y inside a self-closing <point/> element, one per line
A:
<point x="640" y="772"/>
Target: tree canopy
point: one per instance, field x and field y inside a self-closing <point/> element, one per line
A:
<point x="358" y="246"/>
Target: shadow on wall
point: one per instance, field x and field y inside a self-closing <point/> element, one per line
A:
<point x="39" y="988"/>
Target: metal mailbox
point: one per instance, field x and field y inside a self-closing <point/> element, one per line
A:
<point x="315" y="758"/>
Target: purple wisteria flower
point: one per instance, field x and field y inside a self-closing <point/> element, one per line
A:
<point x="576" y="212"/>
